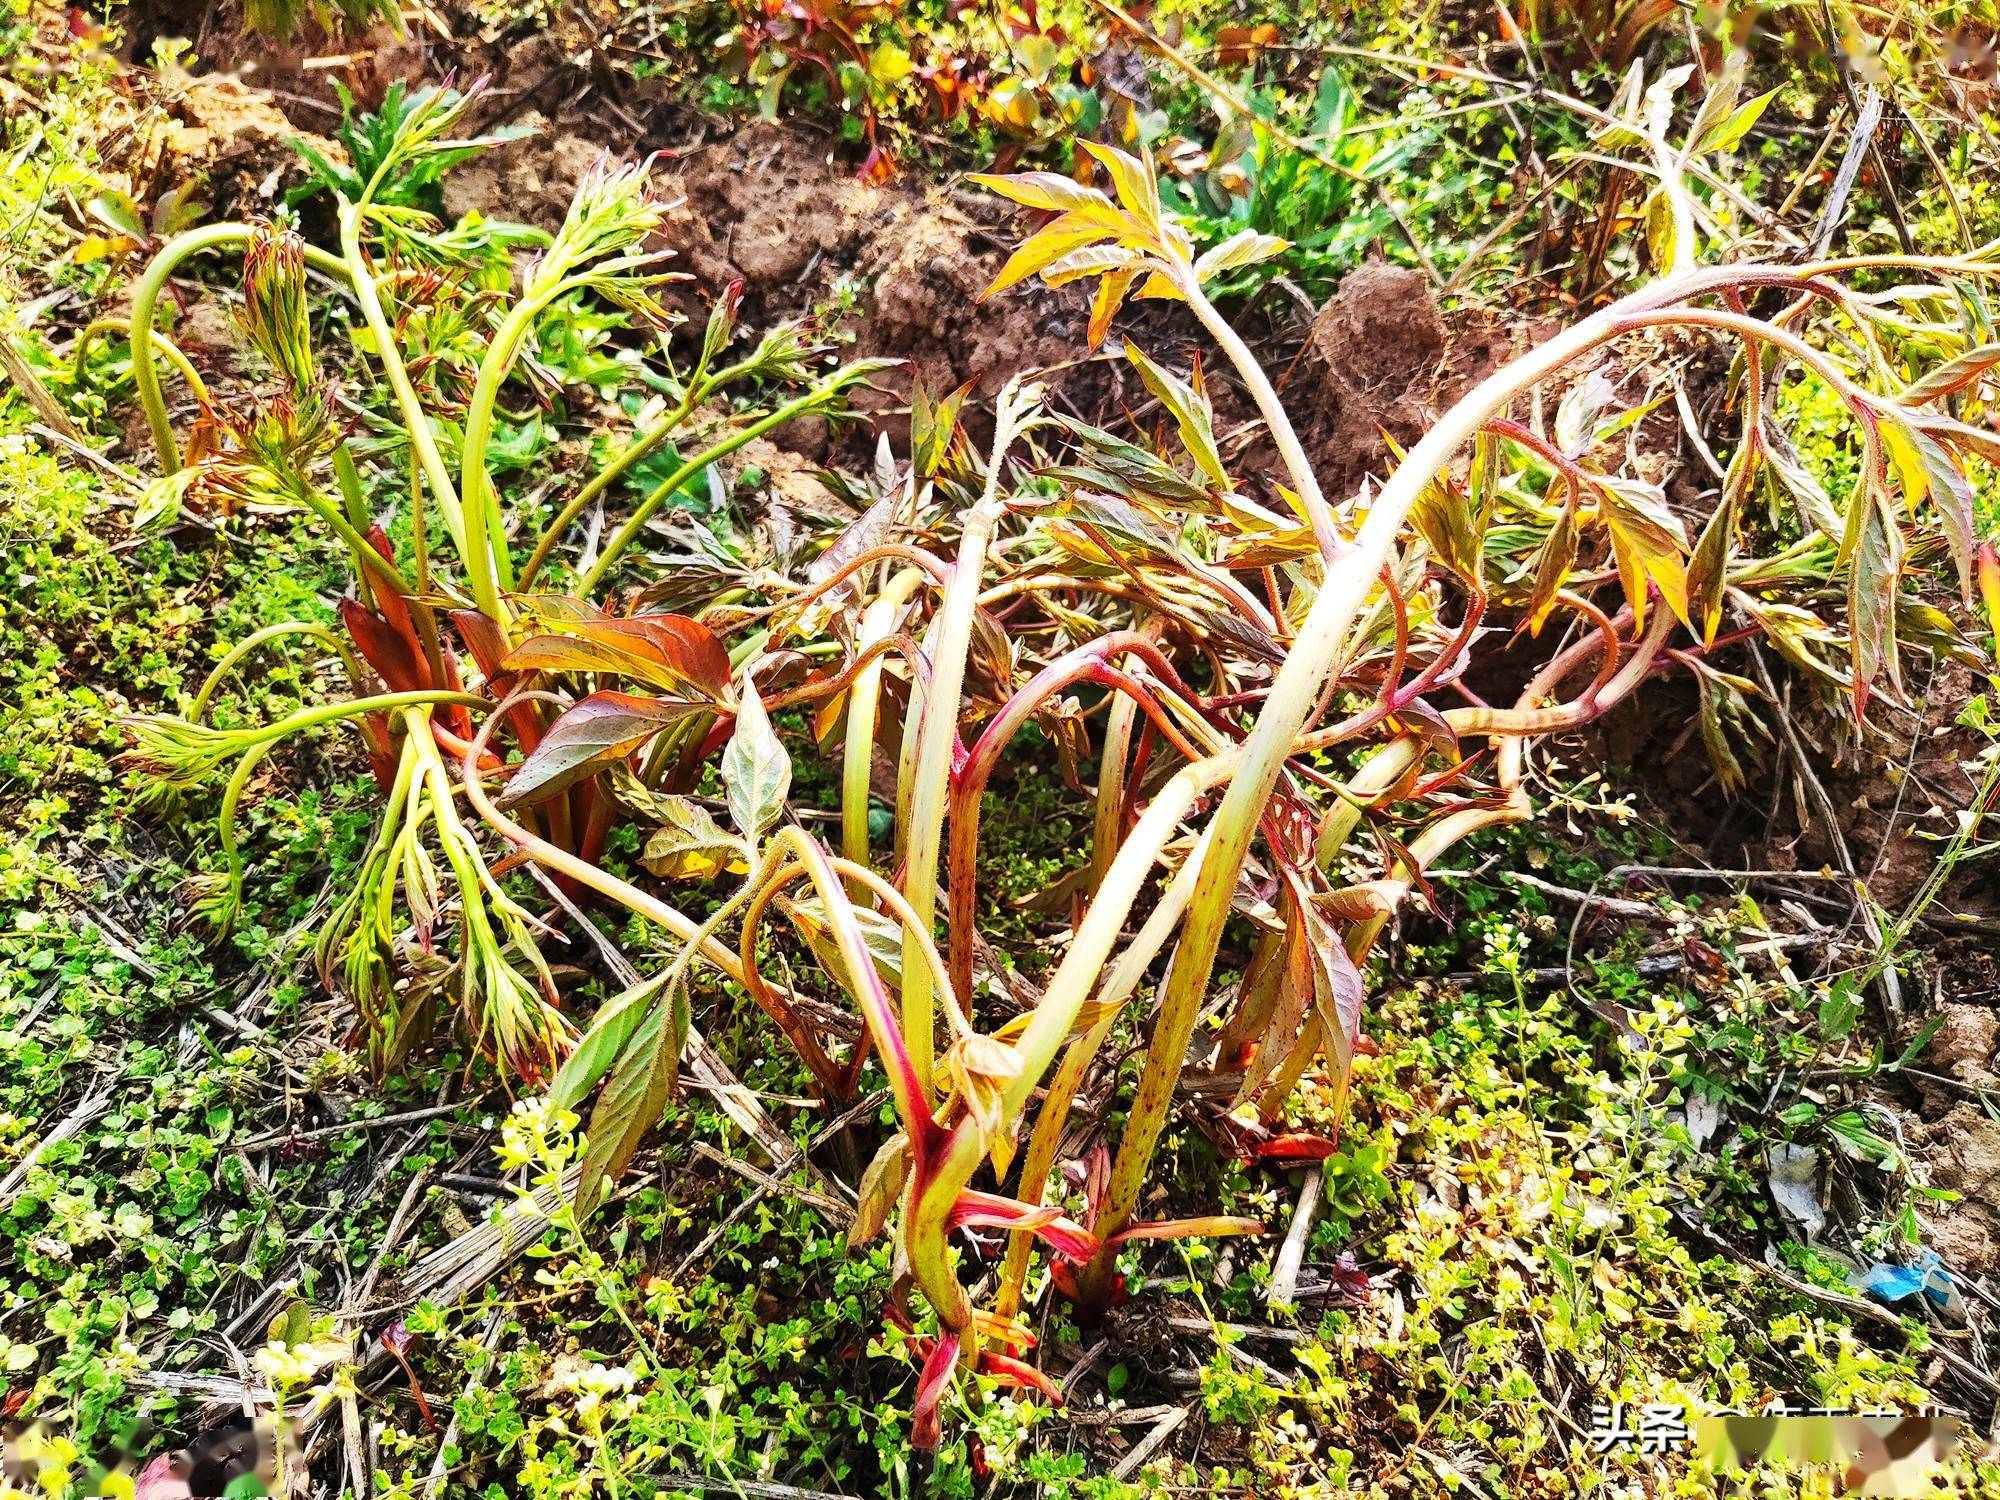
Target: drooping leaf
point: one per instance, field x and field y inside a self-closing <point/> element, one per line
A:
<point x="1798" y="481"/>
<point x="756" y="769"/>
<point x="603" y="728"/>
<point x="939" y="1366"/>
<point x="1552" y="564"/>
<point x="688" y="844"/>
<point x="1709" y="567"/>
<point x="635" y="1094"/>
<point x="1648" y="542"/>
<point x="1936" y="473"/>
<point x="1105" y="302"/>
<point x="881" y="1185"/>
<point x="600" y="1047"/>
<point x="1046" y="1222"/>
<point x="1875" y="571"/>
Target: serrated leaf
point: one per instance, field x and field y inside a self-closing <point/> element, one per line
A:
<point x="603" y="728"/>
<point x="756" y="770"/>
<point x="1092" y="260"/>
<point x="1136" y="470"/>
<point x="1072" y="233"/>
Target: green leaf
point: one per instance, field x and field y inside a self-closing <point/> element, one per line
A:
<point x="756" y="770"/>
<point x="1708" y="569"/>
<point x="610" y="1033"/>
<point x="1190" y="410"/>
<point x="1728" y="134"/>
<point x="1244" y="248"/>
<point x="635" y="1095"/>
<point x="1876" y="567"/>
<point x="881" y="1185"/>
<point x="1553" y="561"/>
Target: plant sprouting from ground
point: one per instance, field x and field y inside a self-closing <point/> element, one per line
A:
<point x="1271" y="684"/>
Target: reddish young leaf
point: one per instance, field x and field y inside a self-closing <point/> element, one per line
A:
<point x="1295" y="1147"/>
<point x="1019" y="1374"/>
<point x="384" y="648"/>
<point x="669" y="651"/>
<point x="988" y="1211"/>
<point x="603" y="728"/>
<point x="939" y="1367"/>
<point x="484" y="639"/>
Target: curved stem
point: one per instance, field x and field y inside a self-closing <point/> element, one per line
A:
<point x="857" y="756"/>
<point x="636" y="449"/>
<point x="1088" y="663"/>
<point x="1320" y="644"/>
<point x="407" y="400"/>
<point x="80" y="351"/>
<point x="145" y="315"/>
<point x="199" y="710"/>
<point x="582" y="871"/>
<point x="1279" y="424"/>
<point x="486" y="567"/>
<point x="817" y="397"/>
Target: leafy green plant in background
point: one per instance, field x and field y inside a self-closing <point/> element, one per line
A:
<point x="1324" y="204"/>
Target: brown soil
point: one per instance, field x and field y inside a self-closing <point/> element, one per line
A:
<point x="236" y="140"/>
<point x="1382" y="358"/>
<point x="1964" y="1157"/>
<point x="771" y="207"/>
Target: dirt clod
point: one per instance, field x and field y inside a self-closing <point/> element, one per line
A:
<point x="1382" y="358"/>
<point x="1966" y="1043"/>
<point x="771" y="207"/>
<point x="530" y="180"/>
<point x="238" y="140"/>
<point x="1966" y="1160"/>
